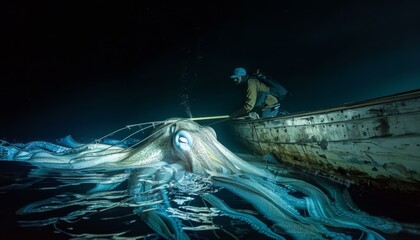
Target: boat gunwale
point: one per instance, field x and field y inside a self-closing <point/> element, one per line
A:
<point x="348" y="106"/>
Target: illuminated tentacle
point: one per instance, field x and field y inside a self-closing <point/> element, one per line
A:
<point x="104" y="187"/>
<point x="8" y="152"/>
<point x="251" y="220"/>
<point x="344" y="207"/>
<point x="272" y="207"/>
<point x="319" y="213"/>
<point x="148" y="185"/>
<point x="157" y="217"/>
<point x="320" y="208"/>
<point x="70" y="142"/>
<point x="163" y="224"/>
<point x="23" y="152"/>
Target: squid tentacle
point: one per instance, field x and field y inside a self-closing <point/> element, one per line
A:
<point x="274" y="209"/>
<point x="345" y="207"/>
<point x="329" y="214"/>
<point x="159" y="220"/>
<point x="251" y="220"/>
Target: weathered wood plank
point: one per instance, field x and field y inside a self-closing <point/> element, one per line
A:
<point x="366" y="142"/>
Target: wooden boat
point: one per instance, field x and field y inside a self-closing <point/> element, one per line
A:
<point x="371" y="143"/>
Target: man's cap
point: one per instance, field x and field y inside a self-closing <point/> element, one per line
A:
<point x="238" y="72"/>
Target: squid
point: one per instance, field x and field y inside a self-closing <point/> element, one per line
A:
<point x="180" y="182"/>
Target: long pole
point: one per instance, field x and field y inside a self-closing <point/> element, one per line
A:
<point x="208" y="118"/>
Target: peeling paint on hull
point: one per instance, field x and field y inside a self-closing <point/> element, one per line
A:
<point x="374" y="142"/>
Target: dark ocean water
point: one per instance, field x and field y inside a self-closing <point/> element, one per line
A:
<point x="400" y="207"/>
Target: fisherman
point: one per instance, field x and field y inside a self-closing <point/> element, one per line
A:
<point x="260" y="97"/>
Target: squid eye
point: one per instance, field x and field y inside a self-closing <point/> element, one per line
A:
<point x="182" y="141"/>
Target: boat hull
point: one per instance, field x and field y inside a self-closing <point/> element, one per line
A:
<point x="373" y="143"/>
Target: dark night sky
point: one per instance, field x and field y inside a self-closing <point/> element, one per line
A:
<point x="89" y="67"/>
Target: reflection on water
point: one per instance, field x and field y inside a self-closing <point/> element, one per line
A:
<point x="69" y="204"/>
<point x="178" y="183"/>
